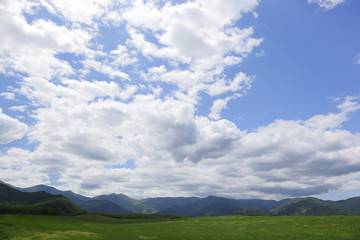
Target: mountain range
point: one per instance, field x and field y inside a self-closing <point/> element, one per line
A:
<point x="191" y="206"/>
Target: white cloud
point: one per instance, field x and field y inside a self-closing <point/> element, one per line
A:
<point x="31" y="48"/>
<point x="21" y="108"/>
<point x="8" y="95"/>
<point x="80" y="11"/>
<point x="104" y="68"/>
<point x="200" y="36"/>
<point x="80" y="126"/>
<point x="10" y="128"/>
<point x="122" y="56"/>
<point x="327" y="4"/>
<point x="219" y="105"/>
<point x="240" y="82"/>
<point x="81" y="129"/>
<point x="185" y="33"/>
<point x="357" y="59"/>
<point x="260" y="54"/>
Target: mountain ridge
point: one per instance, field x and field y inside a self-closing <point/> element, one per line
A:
<point x="208" y="206"/>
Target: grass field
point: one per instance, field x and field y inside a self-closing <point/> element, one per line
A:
<point x="207" y="228"/>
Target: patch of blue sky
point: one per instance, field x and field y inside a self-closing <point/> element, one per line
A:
<point x="109" y="37"/>
<point x="73" y="59"/>
<point x="94" y="75"/>
<point x="230" y="72"/>
<point x="147" y="62"/>
<point x="99" y="98"/>
<point x="297" y="75"/>
<point x="175" y="2"/>
<point x="130" y="164"/>
<point x="246" y="20"/>
<point x="53" y="178"/>
<point x="23" y="143"/>
<point x="339" y="195"/>
<point x="203" y="107"/>
<point x="41" y="13"/>
<point x="352" y="124"/>
<point x="8" y="84"/>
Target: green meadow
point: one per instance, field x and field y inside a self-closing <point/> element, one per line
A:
<point x="91" y="226"/>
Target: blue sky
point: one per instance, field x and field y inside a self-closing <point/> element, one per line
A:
<point x="241" y="99"/>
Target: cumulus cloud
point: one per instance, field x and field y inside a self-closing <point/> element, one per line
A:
<point x="334" y="120"/>
<point x="146" y="107"/>
<point x="197" y="34"/>
<point x="327" y="4"/>
<point x="31" y="47"/>
<point x="81" y="11"/>
<point x="10" y="128"/>
<point x="172" y="146"/>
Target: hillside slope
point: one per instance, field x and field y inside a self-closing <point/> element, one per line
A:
<point x="351" y="205"/>
<point x="162" y="203"/>
<point x="15" y="201"/>
<point x="104" y="206"/>
<point x="194" y="206"/>
<point x="76" y="198"/>
<point x="211" y="206"/>
<point x="308" y="207"/>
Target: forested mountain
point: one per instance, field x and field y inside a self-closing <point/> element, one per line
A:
<point x="15" y="201"/>
<point x="162" y="203"/>
<point x="211" y="206"/>
<point x="104" y="206"/>
<point x="191" y="206"/>
<point x="309" y="206"/>
<point x="76" y="198"/>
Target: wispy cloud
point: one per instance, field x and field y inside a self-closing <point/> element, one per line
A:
<point x="327" y="4"/>
<point x="357" y="61"/>
<point x="8" y="95"/>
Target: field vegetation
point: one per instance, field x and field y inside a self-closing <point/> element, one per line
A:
<point x="106" y="226"/>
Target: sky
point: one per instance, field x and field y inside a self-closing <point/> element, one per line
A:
<point x="239" y="99"/>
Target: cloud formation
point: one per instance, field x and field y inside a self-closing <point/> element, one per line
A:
<point x="93" y="104"/>
<point x="327" y="4"/>
<point x="10" y="128"/>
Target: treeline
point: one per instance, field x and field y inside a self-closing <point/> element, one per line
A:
<point x="53" y="207"/>
<point x="23" y="209"/>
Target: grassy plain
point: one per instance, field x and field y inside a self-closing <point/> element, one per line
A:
<point x="92" y="226"/>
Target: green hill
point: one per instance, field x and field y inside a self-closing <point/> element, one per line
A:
<point x="15" y="201"/>
<point x="163" y="203"/>
<point x="76" y="198"/>
<point x="104" y="206"/>
<point x="308" y="207"/>
<point x="126" y="202"/>
<point x="263" y="205"/>
<point x="211" y="206"/>
<point x="113" y="203"/>
<point x="119" y="199"/>
<point x="351" y="205"/>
